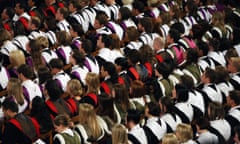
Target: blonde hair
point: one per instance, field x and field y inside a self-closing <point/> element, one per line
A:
<point x="236" y="62"/>
<point x="14" y="89"/>
<point x="184" y="132"/>
<point x="75" y="87"/>
<point x="92" y="82"/>
<point x="43" y="41"/>
<point x="63" y="120"/>
<point x="88" y="118"/>
<point x="218" y="21"/>
<point x="126" y="2"/>
<point x="170" y="138"/>
<point x="160" y="42"/>
<point x="17" y="58"/>
<point x="4" y="36"/>
<point x="119" y="134"/>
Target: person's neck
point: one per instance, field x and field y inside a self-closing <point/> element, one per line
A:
<point x="13" y="114"/>
<point x="202" y="131"/>
<point x="51" y="3"/>
<point x="63" y="129"/>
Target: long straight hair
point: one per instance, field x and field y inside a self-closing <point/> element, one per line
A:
<point x="14" y="89"/>
<point x="88" y="118"/>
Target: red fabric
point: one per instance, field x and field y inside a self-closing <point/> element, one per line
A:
<point x="7" y="27"/>
<point x="37" y="126"/>
<point x="159" y="58"/>
<point x="106" y="88"/>
<point x="135" y="73"/>
<point x="60" y="4"/>
<point x="32" y="13"/>
<point x="24" y="21"/>
<point x="16" y="123"/>
<point x="120" y="80"/>
<point x="50" y="8"/>
<point x="149" y="68"/>
<point x="94" y="97"/>
<point x="52" y="106"/>
<point x="72" y="105"/>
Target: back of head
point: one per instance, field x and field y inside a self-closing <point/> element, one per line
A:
<point x="216" y="111"/>
<point x="170" y="138"/>
<point x="125" y="13"/>
<point x="133" y="116"/>
<point x="178" y="26"/>
<point x="146" y="22"/>
<point x="222" y="74"/>
<point x="26" y="71"/>
<point x="5" y="35"/>
<point x="78" y="56"/>
<point x="102" y="18"/>
<point x="235" y="96"/>
<point x="202" y="123"/>
<point x="184" y="132"/>
<point x="63" y="38"/>
<point x="56" y="63"/>
<point x="203" y="46"/>
<point x="53" y="89"/>
<point x="92" y="82"/>
<point x="121" y="61"/>
<point x="75" y="87"/>
<point x="44" y="74"/>
<point x="36" y="21"/>
<point x="192" y="56"/>
<point x="236" y="62"/>
<point x="10" y="105"/>
<point x="175" y="34"/>
<point x="78" y="28"/>
<point x="86" y="113"/>
<point x="168" y="103"/>
<point x="210" y="73"/>
<point x="17" y="58"/>
<point x="119" y="134"/>
<point x="187" y="81"/>
<point x="154" y="109"/>
<point x="63" y="11"/>
<point x="38" y="105"/>
<point x="106" y="39"/>
<point x="164" y="69"/>
<point x="134" y="56"/>
<point x="137" y="89"/>
<point x="132" y="33"/>
<point x="87" y="46"/>
<point x="62" y="120"/>
<point x="138" y="5"/>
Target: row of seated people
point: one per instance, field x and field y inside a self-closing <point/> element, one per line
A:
<point x="149" y="126"/>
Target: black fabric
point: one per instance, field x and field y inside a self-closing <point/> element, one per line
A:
<point x="151" y="137"/>
<point x="12" y="135"/>
<point x="133" y="139"/>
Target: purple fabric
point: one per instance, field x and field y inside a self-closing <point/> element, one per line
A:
<point x="152" y="14"/>
<point x="26" y="94"/>
<point x="220" y="7"/>
<point x="8" y="74"/>
<point x="62" y="54"/>
<point x="124" y="26"/>
<point x="86" y="63"/>
<point x="77" y="43"/>
<point x="77" y="75"/>
<point x="191" y="19"/>
<point x="29" y="61"/>
<point x="162" y="8"/>
<point x="59" y="83"/>
<point x="110" y="26"/>
<point x="203" y="13"/>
